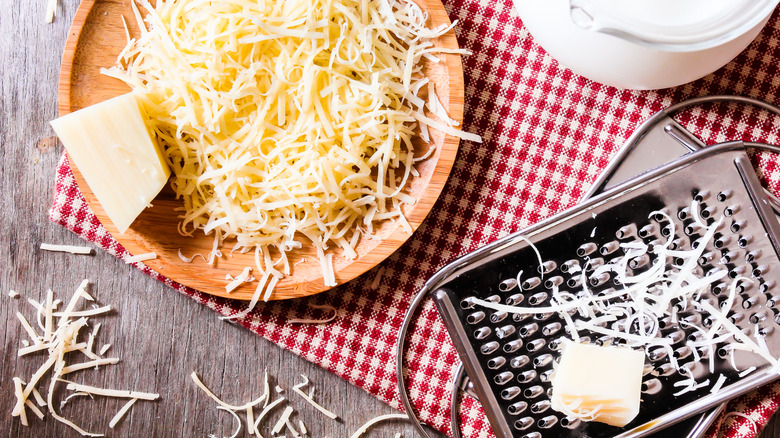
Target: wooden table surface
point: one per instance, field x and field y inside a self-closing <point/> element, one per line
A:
<point x="160" y="335"/>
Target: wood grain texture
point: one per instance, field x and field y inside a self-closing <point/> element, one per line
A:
<point x="96" y="38"/>
<point x="160" y="335"/>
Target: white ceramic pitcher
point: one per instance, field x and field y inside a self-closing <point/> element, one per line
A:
<point x="644" y="44"/>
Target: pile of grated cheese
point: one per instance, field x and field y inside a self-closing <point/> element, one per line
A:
<point x="60" y="335"/>
<point x="288" y="122"/>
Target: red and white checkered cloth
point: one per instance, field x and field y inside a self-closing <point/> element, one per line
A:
<point x="548" y="133"/>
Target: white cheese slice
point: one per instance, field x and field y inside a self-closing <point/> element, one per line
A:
<point x="597" y="383"/>
<point x="112" y="147"/>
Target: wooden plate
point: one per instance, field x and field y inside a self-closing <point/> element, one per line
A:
<point x="96" y="38"/>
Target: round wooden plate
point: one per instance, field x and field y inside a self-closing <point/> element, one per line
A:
<point x="96" y="38"/>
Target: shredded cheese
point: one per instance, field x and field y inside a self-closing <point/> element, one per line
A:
<point x="288" y="122"/>
<point x="141" y="258"/>
<point x="308" y="397"/>
<point x="376" y="420"/>
<point x="59" y="336"/>
<point x="85" y="250"/>
<point x="121" y="414"/>
<point x="13" y="294"/>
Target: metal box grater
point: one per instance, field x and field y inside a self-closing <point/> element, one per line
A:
<point x="509" y="359"/>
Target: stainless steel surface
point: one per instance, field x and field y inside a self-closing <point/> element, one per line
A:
<point x="545" y="230"/>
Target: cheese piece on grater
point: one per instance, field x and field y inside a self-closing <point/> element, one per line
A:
<point x="114" y="151"/>
<point x="595" y="383"/>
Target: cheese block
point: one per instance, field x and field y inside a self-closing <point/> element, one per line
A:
<point x="595" y="383"/>
<point x="112" y="147"/>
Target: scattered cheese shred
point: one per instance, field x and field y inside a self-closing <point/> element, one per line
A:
<point x="85" y="250"/>
<point x="376" y="420"/>
<point x="13" y="294"/>
<point x="119" y="415"/>
<point x="316" y="321"/>
<point x="244" y="277"/>
<point x="283" y="420"/>
<point x="60" y="333"/>
<point x="51" y="9"/>
<point x="298" y="389"/>
<point x="141" y="258"/>
<point x="238" y="420"/>
<point x="288" y="122"/>
<point x="208" y="392"/>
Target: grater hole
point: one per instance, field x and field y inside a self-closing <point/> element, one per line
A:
<point x="546" y="376"/>
<point x="489" y="348"/>
<point x="609" y="248"/>
<point x="574" y="282"/>
<point x="765" y="331"/>
<point x="724" y="351"/>
<point x="546" y="267"/>
<point x="666" y="369"/>
<point x="656" y="354"/>
<point x="547" y="422"/>
<point x="551" y="329"/>
<point x="722" y="196"/>
<point x="730" y="210"/>
<point x="570" y="423"/>
<point x="638" y="262"/>
<point x="706" y="258"/>
<point x="690" y="229"/>
<point x="765" y="286"/>
<point x="744" y="241"/>
<point x="777" y="318"/>
<point x="535" y="345"/>
<point x="467" y="303"/>
<point x="651" y="386"/>
<point x="721" y="241"/>
<point x="626" y="231"/>
<point x="736" y="226"/>
<point x="531" y="283"/>
<point x="735" y="318"/>
<point x="684" y="213"/>
<point x="496" y="362"/>
<point x="707" y="213"/>
<point x="482" y="333"/>
<point x="505" y="331"/>
<point x="515" y="299"/>
<point x="510" y="393"/>
<point x="493" y="299"/>
<point x="539" y="407"/>
<point x="676" y="244"/>
<point x="648" y="230"/>
<point x="772" y="301"/>
<point x="533" y="392"/>
<point x="751" y="256"/>
<point x="701" y="196"/>
<point x="718" y="289"/>
<point x="586" y="249"/>
<point x="553" y="282"/>
<point x="475" y="317"/>
<point x="511" y="347"/>
<point x="537" y="298"/>
<point x="518" y="317"/>
<point x="661" y="215"/>
<point x="542" y="360"/>
<point x="507" y="285"/>
<point x="737" y="271"/>
<point x="524" y="423"/>
<point x="503" y="378"/>
<point x="556" y="344"/>
<point x="748" y="303"/>
<point x="599" y="279"/>
<point x="529" y="329"/>
<point x="682" y="352"/>
<point x="758" y="317"/>
<point x="519" y="361"/>
<point x="569" y="266"/>
<point x="594" y="264"/>
<point x="525" y="377"/>
<point x="543" y="316"/>
<point x="498" y="317"/>
<point x="667" y="231"/>
<point x="517" y="408"/>
<point x="679" y="261"/>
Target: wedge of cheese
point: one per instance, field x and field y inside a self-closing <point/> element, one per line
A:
<point x="595" y="383"/>
<point x="112" y="147"/>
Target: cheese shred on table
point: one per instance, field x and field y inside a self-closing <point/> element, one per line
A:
<point x="288" y="122"/>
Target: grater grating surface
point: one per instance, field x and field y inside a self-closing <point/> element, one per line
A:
<point x="509" y="358"/>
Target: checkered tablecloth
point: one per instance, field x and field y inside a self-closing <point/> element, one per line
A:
<point x="547" y="135"/>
